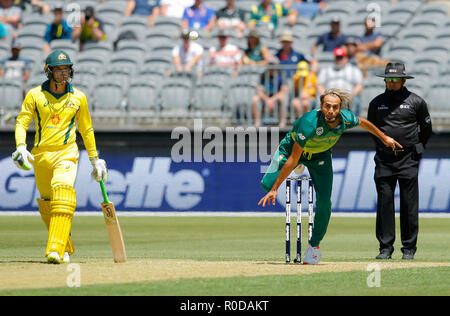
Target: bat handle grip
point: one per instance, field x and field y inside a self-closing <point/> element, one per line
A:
<point x="105" y="195"/>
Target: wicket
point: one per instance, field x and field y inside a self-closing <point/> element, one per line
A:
<point x="299" y="215"/>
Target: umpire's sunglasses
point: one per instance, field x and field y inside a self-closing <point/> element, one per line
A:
<point x="393" y="79"/>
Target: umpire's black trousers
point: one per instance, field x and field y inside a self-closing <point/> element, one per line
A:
<point x="390" y="169"/>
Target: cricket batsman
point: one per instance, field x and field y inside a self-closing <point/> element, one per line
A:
<point x="309" y="144"/>
<point x="57" y="108"/>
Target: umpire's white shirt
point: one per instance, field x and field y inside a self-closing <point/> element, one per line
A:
<point x="342" y="78"/>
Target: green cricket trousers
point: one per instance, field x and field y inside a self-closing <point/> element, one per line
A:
<point x="321" y="171"/>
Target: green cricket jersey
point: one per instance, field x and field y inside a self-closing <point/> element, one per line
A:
<point x="314" y="135"/>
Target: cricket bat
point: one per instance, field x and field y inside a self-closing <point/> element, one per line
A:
<point x="113" y="227"/>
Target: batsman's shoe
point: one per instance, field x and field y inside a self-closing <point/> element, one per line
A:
<point x="66" y="258"/>
<point x="312" y="255"/>
<point x="53" y="257"/>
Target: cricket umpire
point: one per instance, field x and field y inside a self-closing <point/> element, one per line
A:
<point x="403" y="115"/>
<point x="57" y="108"/>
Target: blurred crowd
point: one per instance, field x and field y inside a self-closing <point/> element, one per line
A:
<point x="292" y="77"/>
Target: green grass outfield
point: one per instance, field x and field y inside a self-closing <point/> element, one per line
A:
<point x="247" y="252"/>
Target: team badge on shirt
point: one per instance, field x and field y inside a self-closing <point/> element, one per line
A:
<point x="319" y="131"/>
<point x="55" y="119"/>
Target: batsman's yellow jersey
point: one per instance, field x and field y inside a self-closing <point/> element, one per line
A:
<point x="56" y="119"/>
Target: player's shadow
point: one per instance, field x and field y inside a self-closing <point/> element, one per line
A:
<point x="23" y="261"/>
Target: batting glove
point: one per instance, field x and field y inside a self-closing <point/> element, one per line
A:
<point x="100" y="171"/>
<point x="22" y="157"/>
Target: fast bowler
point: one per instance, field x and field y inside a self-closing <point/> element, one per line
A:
<point x="309" y="144"/>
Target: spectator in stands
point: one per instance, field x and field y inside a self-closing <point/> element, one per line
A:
<point x="351" y="49"/>
<point x="90" y="29"/>
<point x="40" y="6"/>
<point x="330" y="40"/>
<point x="3" y="32"/>
<point x="307" y="9"/>
<point x="15" y="67"/>
<point x="266" y="15"/>
<point x="58" y="29"/>
<point x="148" y="8"/>
<point x="256" y="53"/>
<point x="9" y="13"/>
<point x="175" y="8"/>
<point x="231" y="17"/>
<point x="198" y="17"/>
<point x="371" y="42"/>
<point x="287" y="56"/>
<point x="270" y="93"/>
<point x="362" y="60"/>
<point x="188" y="55"/>
<point x="225" y="54"/>
<point x="305" y="98"/>
<point x="342" y="75"/>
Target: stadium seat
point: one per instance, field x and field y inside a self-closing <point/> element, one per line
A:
<point x="216" y="4"/>
<point x="143" y="100"/>
<point x="121" y="73"/>
<point x="161" y="62"/>
<point x="240" y="95"/>
<point x="425" y="25"/>
<point x="209" y="99"/>
<point x="111" y="9"/>
<point x="434" y="11"/>
<point x="135" y="20"/>
<point x="30" y="33"/>
<point x="132" y="46"/>
<point x="367" y="95"/>
<point x="403" y="50"/>
<point x="162" y="49"/>
<point x="108" y="103"/>
<point x="86" y="75"/>
<point x="250" y="73"/>
<point x="68" y="46"/>
<point x="35" y="81"/>
<point x="414" y="36"/>
<point x="11" y="94"/>
<point x="176" y="98"/>
<point x="91" y="59"/>
<point x="438" y="93"/>
<point x="36" y="20"/>
<point x="103" y="48"/>
<point x="137" y="31"/>
<point x="217" y="74"/>
<point x="246" y="5"/>
<point x="438" y="49"/>
<point x="426" y="61"/>
<point x="83" y="85"/>
<point x="125" y="59"/>
<point x="169" y="25"/>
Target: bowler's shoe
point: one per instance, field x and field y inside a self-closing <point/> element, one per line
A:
<point x="408" y="254"/>
<point x="384" y="254"/>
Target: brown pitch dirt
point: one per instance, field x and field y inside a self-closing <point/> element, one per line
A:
<point x="21" y="274"/>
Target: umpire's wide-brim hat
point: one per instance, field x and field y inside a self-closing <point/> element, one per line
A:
<point x="395" y="70"/>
